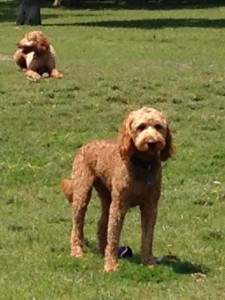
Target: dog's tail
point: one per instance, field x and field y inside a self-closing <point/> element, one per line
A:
<point x="67" y="188"/>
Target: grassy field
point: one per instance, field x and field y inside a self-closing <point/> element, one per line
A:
<point x="113" y="61"/>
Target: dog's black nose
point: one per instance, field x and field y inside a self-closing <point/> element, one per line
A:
<point x="152" y="144"/>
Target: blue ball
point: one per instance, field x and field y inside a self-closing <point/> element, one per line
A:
<point x="124" y="251"/>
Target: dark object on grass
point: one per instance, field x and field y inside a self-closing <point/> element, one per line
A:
<point x="124" y="252"/>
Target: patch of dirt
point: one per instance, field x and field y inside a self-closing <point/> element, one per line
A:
<point x="5" y="57"/>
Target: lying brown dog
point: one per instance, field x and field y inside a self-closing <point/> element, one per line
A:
<point x="36" y="56"/>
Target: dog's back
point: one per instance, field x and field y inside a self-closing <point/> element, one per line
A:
<point x="96" y="156"/>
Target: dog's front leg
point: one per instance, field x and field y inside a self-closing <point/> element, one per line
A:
<point x="148" y="220"/>
<point x="116" y="216"/>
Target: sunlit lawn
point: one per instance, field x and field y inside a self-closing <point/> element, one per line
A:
<point x="114" y="61"/>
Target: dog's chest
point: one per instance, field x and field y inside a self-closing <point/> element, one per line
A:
<point x="36" y="63"/>
<point x="140" y="192"/>
<point x="29" y="59"/>
<point x="142" y="186"/>
<point x="139" y="187"/>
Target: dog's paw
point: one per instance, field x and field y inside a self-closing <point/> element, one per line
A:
<point x="56" y="74"/>
<point x="31" y="75"/>
<point x="150" y="262"/>
<point x="77" y="252"/>
<point x="110" y="266"/>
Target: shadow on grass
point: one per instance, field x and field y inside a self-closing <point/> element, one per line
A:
<point x="186" y="267"/>
<point x="162" y="272"/>
<point x="131" y="269"/>
<point x="8" y="13"/>
<point x="172" y="262"/>
<point x="177" y="265"/>
<point x="143" y="4"/>
<point x="152" y="23"/>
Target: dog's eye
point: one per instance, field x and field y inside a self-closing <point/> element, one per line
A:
<point x="158" y="126"/>
<point x="142" y="127"/>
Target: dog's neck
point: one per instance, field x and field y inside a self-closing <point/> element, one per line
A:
<point x="141" y="164"/>
<point x="143" y="160"/>
<point x="144" y="166"/>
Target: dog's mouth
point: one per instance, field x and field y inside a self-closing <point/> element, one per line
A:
<point x="27" y="49"/>
<point x="150" y="146"/>
<point x="154" y="147"/>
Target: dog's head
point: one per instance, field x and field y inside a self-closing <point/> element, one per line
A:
<point x="34" y="41"/>
<point x="145" y="131"/>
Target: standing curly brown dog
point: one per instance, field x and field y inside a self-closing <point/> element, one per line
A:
<point x="36" y="56"/>
<point x="125" y="173"/>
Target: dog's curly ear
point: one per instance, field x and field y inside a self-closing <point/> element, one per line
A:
<point x="126" y="144"/>
<point x="43" y="43"/>
<point x="167" y="152"/>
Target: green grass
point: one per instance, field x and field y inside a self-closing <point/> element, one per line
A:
<point x="114" y="61"/>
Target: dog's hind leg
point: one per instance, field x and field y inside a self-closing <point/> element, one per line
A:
<point x="105" y="197"/>
<point x="56" y="74"/>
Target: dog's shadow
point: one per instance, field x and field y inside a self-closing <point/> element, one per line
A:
<point x="178" y="266"/>
<point x="172" y="261"/>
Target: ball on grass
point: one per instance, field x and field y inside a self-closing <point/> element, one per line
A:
<point x="124" y="251"/>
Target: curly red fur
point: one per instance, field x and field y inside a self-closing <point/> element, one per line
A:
<point x="167" y="152"/>
<point x="41" y="40"/>
<point x="126" y="146"/>
<point x="36" y="56"/>
<point x="66" y="187"/>
<point x="125" y="173"/>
